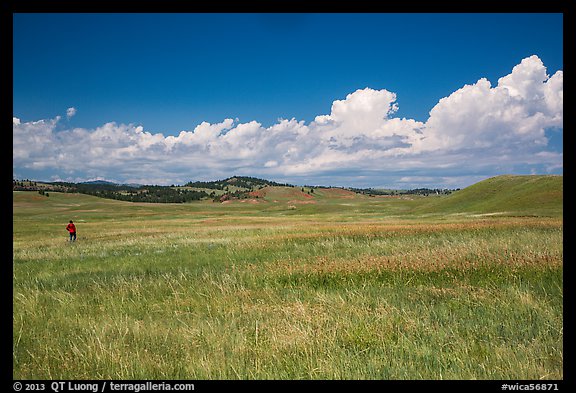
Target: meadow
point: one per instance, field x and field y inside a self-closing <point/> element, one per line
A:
<point x="338" y="286"/>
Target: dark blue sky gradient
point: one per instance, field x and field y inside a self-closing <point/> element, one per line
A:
<point x="170" y="72"/>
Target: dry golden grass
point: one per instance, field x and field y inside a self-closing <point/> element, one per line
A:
<point x="202" y="292"/>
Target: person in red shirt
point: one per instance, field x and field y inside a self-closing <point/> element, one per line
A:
<point x="72" y="229"/>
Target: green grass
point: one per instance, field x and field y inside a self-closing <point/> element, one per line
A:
<point x="357" y="288"/>
<point x="508" y="195"/>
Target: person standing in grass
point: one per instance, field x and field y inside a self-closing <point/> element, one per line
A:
<point x="72" y="229"/>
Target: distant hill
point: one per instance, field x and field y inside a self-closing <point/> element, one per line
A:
<point x="99" y="182"/>
<point x="284" y="194"/>
<point x="538" y="195"/>
<point x="512" y="195"/>
<point x="238" y="182"/>
<point x="110" y="183"/>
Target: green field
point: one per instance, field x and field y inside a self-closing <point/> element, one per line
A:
<point x="332" y="285"/>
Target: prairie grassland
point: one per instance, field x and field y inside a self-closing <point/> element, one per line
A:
<point x="361" y="290"/>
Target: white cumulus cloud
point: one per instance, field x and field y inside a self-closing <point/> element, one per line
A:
<point x="70" y="112"/>
<point x="514" y="113"/>
<point x="479" y="127"/>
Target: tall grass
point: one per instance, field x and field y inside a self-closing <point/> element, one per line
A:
<point x="187" y="292"/>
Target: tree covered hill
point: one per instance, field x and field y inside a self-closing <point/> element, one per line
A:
<point x="239" y="182"/>
<point x="235" y="187"/>
<point x="232" y="188"/>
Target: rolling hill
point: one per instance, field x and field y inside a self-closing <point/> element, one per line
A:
<point x="536" y="195"/>
<point x="510" y="195"/>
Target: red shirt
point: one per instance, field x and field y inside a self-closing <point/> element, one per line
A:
<point x="71" y="228"/>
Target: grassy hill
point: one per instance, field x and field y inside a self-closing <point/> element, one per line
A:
<point x="281" y="194"/>
<point x="507" y="195"/>
<point x="535" y="195"/>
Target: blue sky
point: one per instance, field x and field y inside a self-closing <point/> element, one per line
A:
<point x="139" y="80"/>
